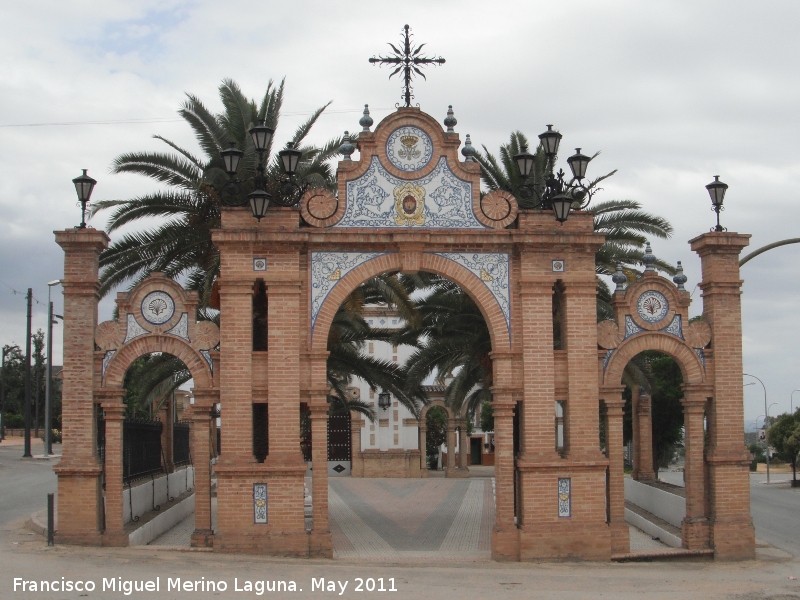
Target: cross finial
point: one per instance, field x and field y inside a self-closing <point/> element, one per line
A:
<point x="410" y="61"/>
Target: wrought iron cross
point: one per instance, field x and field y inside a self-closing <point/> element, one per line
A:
<point x="410" y="61"/>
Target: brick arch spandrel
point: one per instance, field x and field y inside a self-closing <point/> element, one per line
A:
<point x="688" y="361"/>
<point x="148" y="344"/>
<point x="477" y="290"/>
<point x="424" y="412"/>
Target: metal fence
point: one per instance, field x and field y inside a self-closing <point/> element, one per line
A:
<point x="180" y="444"/>
<point x="141" y="448"/>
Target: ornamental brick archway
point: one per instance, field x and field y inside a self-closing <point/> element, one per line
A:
<point x="409" y="204"/>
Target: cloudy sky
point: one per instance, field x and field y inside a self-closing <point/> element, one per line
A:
<point x="671" y="92"/>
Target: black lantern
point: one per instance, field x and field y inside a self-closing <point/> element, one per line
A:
<point x="384" y="400"/>
<point x="561" y="207"/>
<point x="84" y="186"/>
<point x="262" y="135"/>
<point x="259" y="201"/>
<point x="290" y="157"/>
<point x="525" y="161"/>
<point x="578" y="163"/>
<point x="231" y="157"/>
<point x="550" y="140"/>
<point x="716" y="189"/>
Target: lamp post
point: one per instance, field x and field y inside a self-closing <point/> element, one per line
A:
<point x="766" y="412"/>
<point x="716" y="189"/>
<point x="286" y="189"/>
<point x="791" y="401"/>
<point x="555" y="192"/>
<point x="84" y="186"/>
<point x="48" y="389"/>
<point x="3" y="395"/>
<point x="384" y="400"/>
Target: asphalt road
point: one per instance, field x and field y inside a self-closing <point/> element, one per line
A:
<point x="776" y="511"/>
<point x="24" y="483"/>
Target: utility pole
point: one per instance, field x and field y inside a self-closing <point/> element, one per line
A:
<point x="48" y="389"/>
<point x="27" y="453"/>
<point x="3" y="396"/>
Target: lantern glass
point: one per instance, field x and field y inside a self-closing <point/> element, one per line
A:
<point x="550" y="140"/>
<point x="231" y="157"/>
<point x="716" y="189"/>
<point x="259" y="201"/>
<point x="262" y="135"/>
<point x="290" y="157"/>
<point x="525" y="162"/>
<point x="578" y="163"/>
<point x="384" y="400"/>
<point x="84" y="186"/>
<point x="561" y="207"/>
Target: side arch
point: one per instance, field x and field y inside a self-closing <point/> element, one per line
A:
<point x="424" y="412"/>
<point x="477" y="290"/>
<point x="118" y="365"/>
<point x="689" y="362"/>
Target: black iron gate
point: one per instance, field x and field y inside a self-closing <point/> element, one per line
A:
<point x="339" y="437"/>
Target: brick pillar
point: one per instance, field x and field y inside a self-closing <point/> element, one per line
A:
<point x="114" y="412"/>
<point x="644" y="449"/>
<point x="321" y="543"/>
<point x="620" y="532"/>
<point x="236" y="386"/>
<point x="580" y="336"/>
<point x="79" y="472"/>
<point x="204" y="401"/>
<point x="732" y="533"/>
<point x="694" y="530"/>
<point x="505" y="536"/>
<point x="635" y="459"/>
<point x="356" y="460"/>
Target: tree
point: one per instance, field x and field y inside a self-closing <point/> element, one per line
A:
<point x="436" y="434"/>
<point x="189" y="208"/>
<point x="784" y="436"/>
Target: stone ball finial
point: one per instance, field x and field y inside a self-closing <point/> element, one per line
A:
<point x="680" y="278"/>
<point x="649" y="259"/>
<point x="468" y="151"/>
<point x="365" y="121"/>
<point x="450" y="121"/>
<point x="347" y="147"/>
<point x="619" y="278"/>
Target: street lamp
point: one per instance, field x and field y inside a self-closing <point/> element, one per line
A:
<point x="791" y="402"/>
<point x="84" y="186"/>
<point x="48" y="402"/>
<point x="716" y="189"/>
<point x="286" y="191"/>
<point x="384" y="400"/>
<point x="555" y="192"/>
<point x="766" y="411"/>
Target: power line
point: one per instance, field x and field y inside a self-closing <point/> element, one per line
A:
<point x="163" y="119"/>
<point x="18" y="293"/>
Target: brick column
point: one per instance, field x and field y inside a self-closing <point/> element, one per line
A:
<point x="732" y="533"/>
<point x="463" y="467"/>
<point x="645" y="469"/>
<point x="321" y="543"/>
<point x="505" y="537"/>
<point x="114" y="412"/>
<point x="79" y="472"/>
<point x="694" y="530"/>
<point x="166" y="415"/>
<point x="620" y="532"/>
<point x="204" y="401"/>
<point x="580" y="336"/>
<point x="451" y="448"/>
<point x="236" y="386"/>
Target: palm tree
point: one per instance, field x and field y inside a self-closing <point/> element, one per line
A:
<point x="189" y="208"/>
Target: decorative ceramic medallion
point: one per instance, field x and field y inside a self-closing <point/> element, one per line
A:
<point x="260" y="511"/>
<point x="318" y="206"/>
<point x="158" y="308"/>
<point x="652" y="306"/>
<point x="379" y="199"/>
<point x="498" y="209"/>
<point x="409" y="148"/>
<point x="564" y="497"/>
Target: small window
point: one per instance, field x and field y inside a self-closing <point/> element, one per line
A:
<point x="394" y="349"/>
<point x="371" y="347"/>
<point x="560" y="432"/>
<point x="371" y="321"/>
<point x="394" y="321"/>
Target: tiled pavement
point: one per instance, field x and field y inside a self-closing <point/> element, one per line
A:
<point x="407" y="520"/>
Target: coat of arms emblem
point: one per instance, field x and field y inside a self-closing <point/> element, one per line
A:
<point x="409" y="203"/>
<point x="408" y="150"/>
